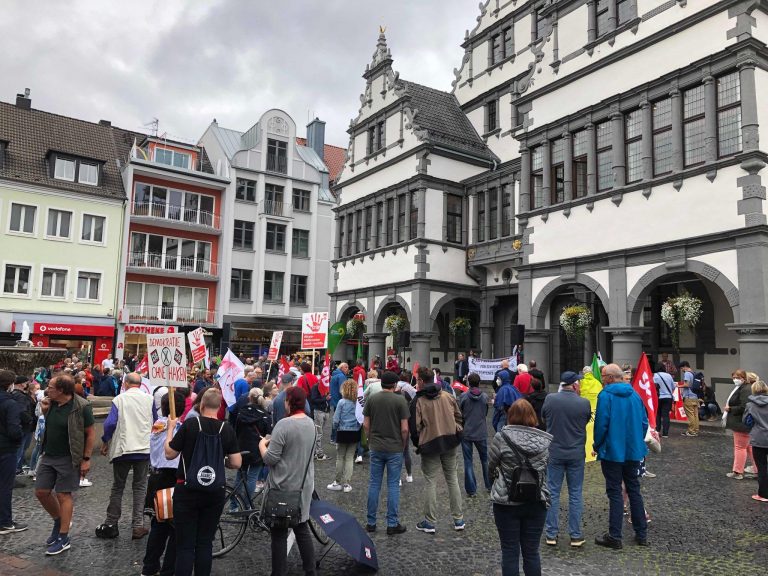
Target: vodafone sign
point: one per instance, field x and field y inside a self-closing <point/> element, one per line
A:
<point x="54" y="330"/>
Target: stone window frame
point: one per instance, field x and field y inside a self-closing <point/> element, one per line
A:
<point x="502" y="184"/>
<point x="613" y="109"/>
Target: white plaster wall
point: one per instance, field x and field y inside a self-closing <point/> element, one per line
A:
<point x="384" y="268"/>
<point x="434" y="297"/>
<point x="537" y="285"/>
<point x="401" y="170"/>
<point x="761" y="89"/>
<point x="725" y="262"/>
<point x="760" y="31"/>
<point x="376" y="303"/>
<point x="477" y="117"/>
<point x="433" y="219"/>
<point x="572" y="31"/>
<point x="711" y="205"/>
<point x="449" y="169"/>
<point x="602" y="278"/>
<point x="448" y="266"/>
<point x="657" y="60"/>
<point x="634" y="273"/>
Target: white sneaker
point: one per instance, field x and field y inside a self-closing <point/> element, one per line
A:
<point x="400" y="482"/>
<point x="85" y="483"/>
<point x="347" y="488"/>
<point x="335" y="486"/>
<point x="358" y="459"/>
<point x="409" y="478"/>
<point x="750" y="470"/>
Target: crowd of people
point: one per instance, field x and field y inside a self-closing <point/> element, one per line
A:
<point x="282" y="422"/>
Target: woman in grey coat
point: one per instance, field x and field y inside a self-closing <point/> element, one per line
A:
<point x="289" y="453"/>
<point x="519" y="524"/>
<point x="756" y="416"/>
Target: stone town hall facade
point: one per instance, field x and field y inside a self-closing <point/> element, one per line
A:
<point x="601" y="152"/>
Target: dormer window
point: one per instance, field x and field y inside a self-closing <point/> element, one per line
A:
<point x="172" y="158"/>
<point x="76" y="170"/>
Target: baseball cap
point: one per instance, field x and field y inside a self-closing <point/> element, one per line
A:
<point x="570" y="377"/>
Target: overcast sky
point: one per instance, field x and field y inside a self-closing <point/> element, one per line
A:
<point x="187" y="62"/>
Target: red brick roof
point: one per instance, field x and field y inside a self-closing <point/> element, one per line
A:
<point x="334" y="157"/>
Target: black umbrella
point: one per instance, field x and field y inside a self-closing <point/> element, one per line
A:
<point x="344" y="530"/>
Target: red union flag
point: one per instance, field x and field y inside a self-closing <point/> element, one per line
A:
<point x="325" y="376"/>
<point x="274" y="346"/>
<point x="314" y="330"/>
<point x="143" y="366"/>
<point x="646" y="389"/>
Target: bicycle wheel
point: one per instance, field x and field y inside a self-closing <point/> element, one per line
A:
<point x="233" y="523"/>
<point x="318" y="531"/>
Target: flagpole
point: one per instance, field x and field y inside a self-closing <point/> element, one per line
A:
<point x="313" y="361"/>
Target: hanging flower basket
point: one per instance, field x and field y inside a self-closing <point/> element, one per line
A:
<point x="395" y="324"/>
<point x="355" y="327"/>
<point x="680" y="311"/>
<point x="575" y="321"/>
<point x="460" y="326"/>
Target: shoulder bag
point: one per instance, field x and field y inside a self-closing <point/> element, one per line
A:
<point x="282" y="508"/>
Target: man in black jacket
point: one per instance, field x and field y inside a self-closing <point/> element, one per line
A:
<point x="10" y="439"/>
<point x="20" y="393"/>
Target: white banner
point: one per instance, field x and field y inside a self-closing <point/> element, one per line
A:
<point x="274" y="345"/>
<point x="487" y="368"/>
<point x="167" y="360"/>
<point x="231" y="369"/>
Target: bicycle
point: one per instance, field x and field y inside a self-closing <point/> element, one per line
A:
<point x="241" y="512"/>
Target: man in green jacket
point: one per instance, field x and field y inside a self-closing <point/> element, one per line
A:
<point x="66" y="448"/>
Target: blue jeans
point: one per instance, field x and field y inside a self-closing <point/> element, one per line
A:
<point x="573" y="471"/>
<point x="393" y="461"/>
<point x="470" y="484"/>
<point x="35" y="456"/>
<point x="615" y="473"/>
<point x="26" y="440"/>
<point x="520" y="530"/>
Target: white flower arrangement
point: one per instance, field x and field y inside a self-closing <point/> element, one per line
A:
<point x="575" y="321"/>
<point x="680" y="311"/>
<point x="394" y="324"/>
<point x="355" y="327"/>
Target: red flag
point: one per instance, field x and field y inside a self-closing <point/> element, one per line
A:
<point x="143" y="366"/>
<point x="283" y="369"/>
<point x="325" y="377"/>
<point x="644" y="386"/>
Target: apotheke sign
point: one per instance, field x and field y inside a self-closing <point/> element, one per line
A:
<point x="149" y="329"/>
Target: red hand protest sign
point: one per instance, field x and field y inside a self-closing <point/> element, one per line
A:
<point x="314" y="330"/>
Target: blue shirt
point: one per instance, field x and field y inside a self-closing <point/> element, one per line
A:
<point x="666" y="384"/>
<point x="687" y="392"/>
<point x="337" y="379"/>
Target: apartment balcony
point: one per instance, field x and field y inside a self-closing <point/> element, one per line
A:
<point x="175" y="217"/>
<point x="178" y="315"/>
<point x="169" y="266"/>
<point x="275" y="208"/>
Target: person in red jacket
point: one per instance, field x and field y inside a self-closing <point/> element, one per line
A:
<point x="359" y="371"/>
<point x="523" y="380"/>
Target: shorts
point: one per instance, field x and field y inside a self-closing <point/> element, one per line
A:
<point x="57" y="472"/>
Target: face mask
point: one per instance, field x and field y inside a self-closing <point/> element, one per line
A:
<point x="738" y="381"/>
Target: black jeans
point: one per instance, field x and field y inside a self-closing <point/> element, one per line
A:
<point x="760" y="456"/>
<point x="280" y="549"/>
<point x="161" y="539"/>
<point x="520" y="529"/>
<point x="196" y="516"/>
<point x="627" y="472"/>
<point x="7" y="476"/>
<point x="662" y="423"/>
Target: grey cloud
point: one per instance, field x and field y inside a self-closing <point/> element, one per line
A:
<point x="186" y="64"/>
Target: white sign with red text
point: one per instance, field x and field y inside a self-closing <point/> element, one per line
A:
<point x="197" y="345"/>
<point x="167" y="354"/>
<point x="314" y="330"/>
<point x="274" y="346"/>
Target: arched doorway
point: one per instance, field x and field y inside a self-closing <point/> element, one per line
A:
<point x="350" y="348"/>
<point x="397" y="344"/>
<point x="450" y="344"/>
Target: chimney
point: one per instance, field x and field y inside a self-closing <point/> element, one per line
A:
<point x="23" y="101"/>
<point x="316" y="137"/>
<point x="105" y="123"/>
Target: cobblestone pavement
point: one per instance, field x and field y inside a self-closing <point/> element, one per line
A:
<point x="702" y="523"/>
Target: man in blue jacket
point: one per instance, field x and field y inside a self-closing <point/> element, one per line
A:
<point x="620" y="426"/>
<point x="338" y="377"/>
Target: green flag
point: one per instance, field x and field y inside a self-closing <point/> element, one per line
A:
<point x="596" y="368"/>
<point x="336" y="334"/>
<point x="359" y="346"/>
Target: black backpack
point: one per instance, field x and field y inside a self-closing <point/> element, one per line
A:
<point x="205" y="472"/>
<point x="525" y="483"/>
<point x="252" y="425"/>
<point x="698" y="382"/>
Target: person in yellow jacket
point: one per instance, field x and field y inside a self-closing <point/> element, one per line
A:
<point x="589" y="388"/>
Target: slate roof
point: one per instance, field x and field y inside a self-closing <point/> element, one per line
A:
<point x="440" y="115"/>
<point x="32" y="134"/>
<point x="333" y="156"/>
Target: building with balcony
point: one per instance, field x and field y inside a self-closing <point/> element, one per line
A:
<point x="279" y="221"/>
<point x="61" y="221"/>
<point x="170" y="274"/>
<point x="626" y="140"/>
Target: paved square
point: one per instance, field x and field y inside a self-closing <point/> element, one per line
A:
<point x="702" y="523"/>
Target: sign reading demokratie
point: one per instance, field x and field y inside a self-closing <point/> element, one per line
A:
<point x="314" y="330"/>
<point x="487" y="368"/>
<point x="167" y="355"/>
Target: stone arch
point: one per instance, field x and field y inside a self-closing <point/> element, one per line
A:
<point x="649" y="280"/>
<point x="548" y="293"/>
<point x="348" y="306"/>
<point x="378" y="323"/>
<point x="447" y="299"/>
